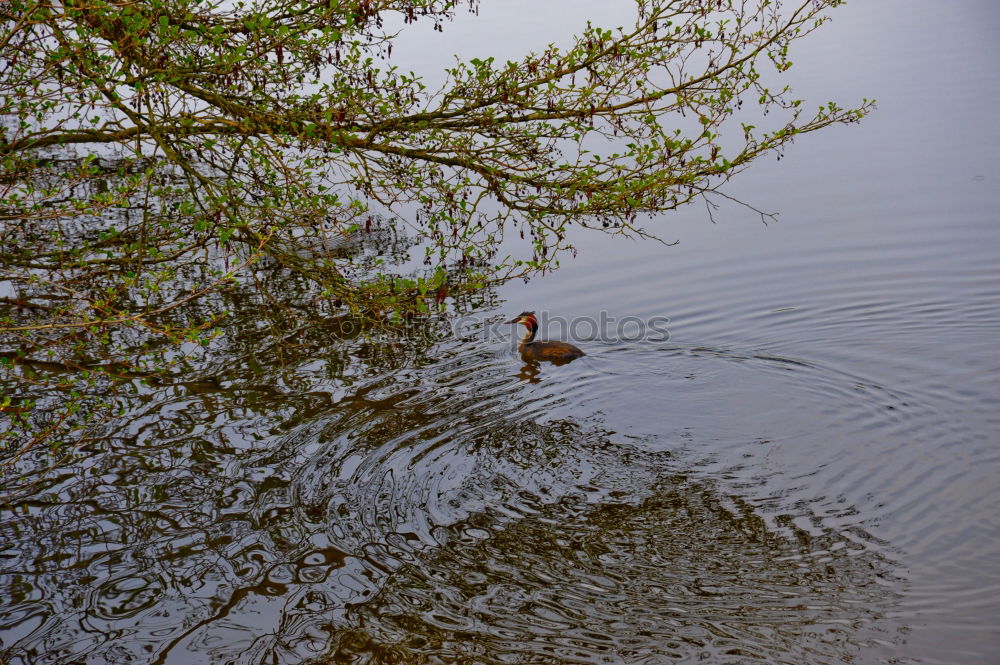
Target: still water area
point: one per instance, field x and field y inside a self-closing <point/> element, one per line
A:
<point x="804" y="468"/>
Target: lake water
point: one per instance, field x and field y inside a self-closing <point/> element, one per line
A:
<point x="806" y="469"/>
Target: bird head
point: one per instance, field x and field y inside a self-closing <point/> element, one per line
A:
<point x="527" y="318"/>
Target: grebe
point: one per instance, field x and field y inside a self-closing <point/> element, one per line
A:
<point x="557" y="353"/>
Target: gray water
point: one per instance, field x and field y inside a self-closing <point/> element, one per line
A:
<point x="805" y="471"/>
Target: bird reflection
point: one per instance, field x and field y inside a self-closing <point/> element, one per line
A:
<point x="530" y="371"/>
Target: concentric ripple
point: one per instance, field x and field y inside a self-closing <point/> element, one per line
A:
<point x="806" y="472"/>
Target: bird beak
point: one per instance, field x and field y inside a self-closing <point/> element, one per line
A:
<point x="516" y="319"/>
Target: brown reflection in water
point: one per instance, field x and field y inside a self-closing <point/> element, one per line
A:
<point x="682" y="574"/>
<point x="307" y="500"/>
<point x="529" y="372"/>
<point x="178" y="548"/>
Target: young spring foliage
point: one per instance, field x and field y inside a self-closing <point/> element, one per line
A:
<point x="277" y="114"/>
<point x="153" y="152"/>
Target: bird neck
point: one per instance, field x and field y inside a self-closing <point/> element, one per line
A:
<point x="531" y="329"/>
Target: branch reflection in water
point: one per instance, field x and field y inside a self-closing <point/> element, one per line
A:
<point x="366" y="503"/>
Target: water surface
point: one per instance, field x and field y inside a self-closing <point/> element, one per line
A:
<point x="805" y="471"/>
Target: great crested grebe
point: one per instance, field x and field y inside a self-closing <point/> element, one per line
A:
<point x="554" y="352"/>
